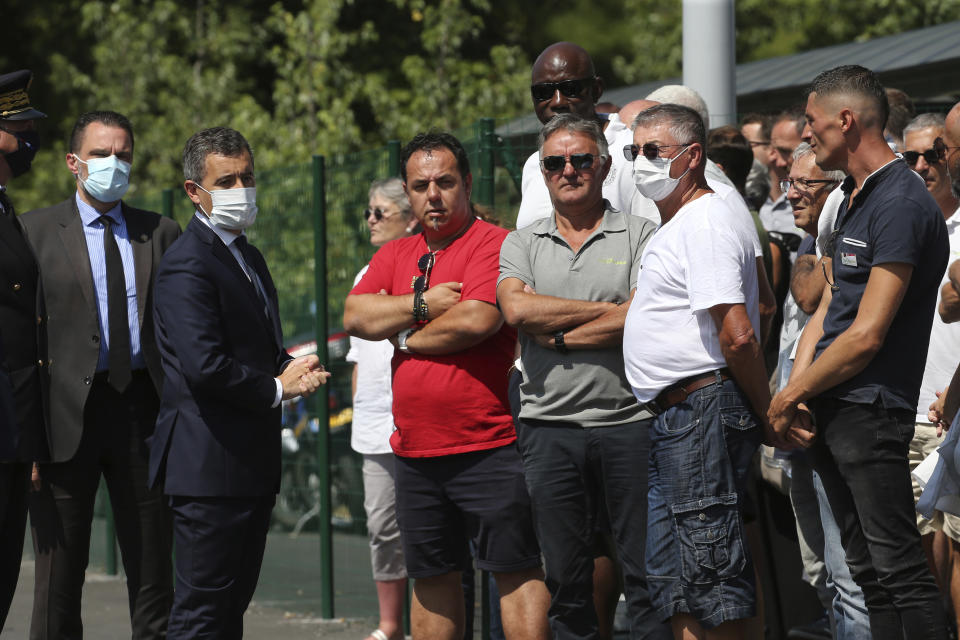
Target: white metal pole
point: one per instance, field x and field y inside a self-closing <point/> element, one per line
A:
<point x="709" y="59"/>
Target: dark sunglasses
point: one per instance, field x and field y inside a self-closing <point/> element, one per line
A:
<point x="650" y="151"/>
<point x="377" y="214"/>
<point x="932" y="156"/>
<point x="940" y="146"/>
<point x="577" y="160"/>
<point x="425" y="264"/>
<point x="569" y="88"/>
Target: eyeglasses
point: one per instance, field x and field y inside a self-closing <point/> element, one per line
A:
<point x="930" y="155"/>
<point x="802" y="185"/>
<point x="650" y="151"/>
<point x="377" y="214"/>
<point x="425" y="264"/>
<point x="758" y="143"/>
<point x="569" y="88"/>
<point x="577" y="160"/>
<point x="828" y="252"/>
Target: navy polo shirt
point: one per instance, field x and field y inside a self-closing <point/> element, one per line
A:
<point x="892" y="219"/>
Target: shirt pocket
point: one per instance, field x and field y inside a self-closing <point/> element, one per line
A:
<point x="853" y="260"/>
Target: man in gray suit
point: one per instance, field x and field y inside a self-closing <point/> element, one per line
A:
<point x="97" y="258"/>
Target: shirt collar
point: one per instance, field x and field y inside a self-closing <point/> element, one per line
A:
<point x="849" y="183"/>
<point x="610" y="224"/>
<point x="224" y="235"/>
<point x="89" y="215"/>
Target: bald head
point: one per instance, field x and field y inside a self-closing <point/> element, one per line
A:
<point x="629" y="111"/>
<point x="564" y="62"/>
<point x="951" y="137"/>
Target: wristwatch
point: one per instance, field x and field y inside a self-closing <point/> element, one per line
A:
<point x="402" y="339"/>
<point x="559" y="343"/>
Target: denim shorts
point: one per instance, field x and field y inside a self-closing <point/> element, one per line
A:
<point x="697" y="557"/>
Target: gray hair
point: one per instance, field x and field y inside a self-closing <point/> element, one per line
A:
<point x="391" y="189"/>
<point x="222" y="141"/>
<point x="682" y="95"/>
<point x="685" y="124"/>
<point x="573" y="123"/>
<point x="804" y="149"/>
<point x="926" y="121"/>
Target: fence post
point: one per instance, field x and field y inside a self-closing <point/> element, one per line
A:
<point x="487" y="148"/>
<point x="167" y="203"/>
<point x="320" y="399"/>
<point x="393" y="162"/>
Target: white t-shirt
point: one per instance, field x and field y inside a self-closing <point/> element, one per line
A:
<point x="944" y="351"/>
<point x="373" y="403"/>
<point x="618" y="187"/>
<point x="704" y="256"/>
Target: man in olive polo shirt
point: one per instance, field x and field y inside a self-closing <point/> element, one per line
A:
<point x="566" y="282"/>
<point x="861" y="357"/>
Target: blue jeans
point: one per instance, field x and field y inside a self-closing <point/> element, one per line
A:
<point x="697" y="557"/>
<point x="849" y="611"/>
<point x="861" y="457"/>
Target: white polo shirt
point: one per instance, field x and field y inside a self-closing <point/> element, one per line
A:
<point x="704" y="256"/>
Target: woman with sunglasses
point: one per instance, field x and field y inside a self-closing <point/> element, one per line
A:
<point x="388" y="217"/>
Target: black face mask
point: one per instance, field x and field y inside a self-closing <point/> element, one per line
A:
<point x="20" y="160"/>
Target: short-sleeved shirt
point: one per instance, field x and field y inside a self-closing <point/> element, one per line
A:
<point x="893" y="219"/>
<point x="703" y="257"/>
<point x="453" y="403"/>
<point x="587" y="387"/>
<point x="373" y="401"/>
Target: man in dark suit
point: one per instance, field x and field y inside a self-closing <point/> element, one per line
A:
<point x="21" y="420"/>
<point x="98" y="258"/>
<point x="216" y="449"/>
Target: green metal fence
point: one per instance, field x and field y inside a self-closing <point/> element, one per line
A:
<point x="313" y="236"/>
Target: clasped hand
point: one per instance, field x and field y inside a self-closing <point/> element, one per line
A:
<point x="303" y="376"/>
<point x="791" y="424"/>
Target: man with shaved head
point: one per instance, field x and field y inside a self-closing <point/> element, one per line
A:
<point x="563" y="80"/>
<point x="861" y="357"/>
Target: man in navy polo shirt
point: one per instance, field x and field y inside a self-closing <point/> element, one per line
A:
<point x="861" y="357"/>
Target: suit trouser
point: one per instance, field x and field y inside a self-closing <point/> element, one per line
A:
<point x="220" y="543"/>
<point x="113" y="444"/>
<point x="14" y="482"/>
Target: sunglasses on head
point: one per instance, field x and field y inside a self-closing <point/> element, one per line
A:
<point x="650" y="151"/>
<point x="577" y="160"/>
<point x="932" y="156"/>
<point x="425" y="264"/>
<point x="569" y="88"/>
<point x="377" y="214"/>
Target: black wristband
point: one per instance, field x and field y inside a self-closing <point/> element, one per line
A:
<point x="420" y="309"/>
<point x="559" y="343"/>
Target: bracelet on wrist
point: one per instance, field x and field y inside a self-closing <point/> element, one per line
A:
<point x="558" y="342"/>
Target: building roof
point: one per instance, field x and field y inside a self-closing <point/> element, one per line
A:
<point x="922" y="62"/>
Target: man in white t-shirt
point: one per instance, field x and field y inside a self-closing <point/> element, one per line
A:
<point x="693" y="357"/>
<point x="941" y="534"/>
<point x="563" y="80"/>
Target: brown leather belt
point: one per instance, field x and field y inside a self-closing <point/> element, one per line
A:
<point x="679" y="391"/>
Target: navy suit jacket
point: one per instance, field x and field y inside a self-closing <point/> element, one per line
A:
<point x="216" y="432"/>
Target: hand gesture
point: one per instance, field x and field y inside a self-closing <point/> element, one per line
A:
<point x="441" y="297"/>
<point x="935" y="414"/>
<point x="302" y="377"/>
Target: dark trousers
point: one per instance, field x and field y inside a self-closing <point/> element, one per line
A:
<point x="14" y="483"/>
<point x="568" y="469"/>
<point x="115" y="427"/>
<point x="861" y="458"/>
<point x="219" y="550"/>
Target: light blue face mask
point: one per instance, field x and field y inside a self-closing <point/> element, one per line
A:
<point x="107" y="178"/>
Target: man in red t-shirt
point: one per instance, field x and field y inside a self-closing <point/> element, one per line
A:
<point x="459" y="475"/>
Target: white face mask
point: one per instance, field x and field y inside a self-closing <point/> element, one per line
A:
<point x="233" y="209"/>
<point x="652" y="177"/>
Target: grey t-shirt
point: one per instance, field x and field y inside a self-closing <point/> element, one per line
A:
<point x="587" y="387"/>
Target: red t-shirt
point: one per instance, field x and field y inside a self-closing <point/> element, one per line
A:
<point x="458" y="402"/>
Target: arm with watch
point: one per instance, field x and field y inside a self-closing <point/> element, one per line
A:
<point x="562" y="323"/>
<point x="374" y="316"/>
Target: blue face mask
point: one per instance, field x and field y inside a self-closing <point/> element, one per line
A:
<point x="107" y="178"/>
